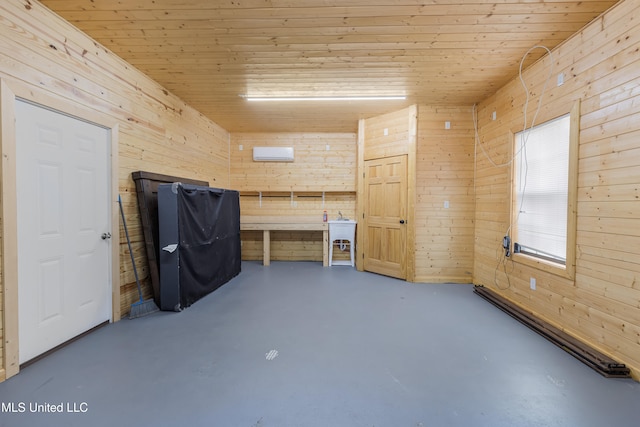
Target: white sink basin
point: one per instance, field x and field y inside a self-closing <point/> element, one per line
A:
<point x="342" y="230"/>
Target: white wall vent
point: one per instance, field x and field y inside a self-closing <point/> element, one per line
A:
<point x="273" y="154"/>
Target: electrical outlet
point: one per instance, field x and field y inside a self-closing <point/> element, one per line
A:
<point x="532" y="283"/>
<point x="560" y="79"/>
<point x="494" y="116"/>
<point x="240" y="147"/>
<point x="447" y="125"/>
<point x="446" y="204"/>
<point x="386" y="131"/>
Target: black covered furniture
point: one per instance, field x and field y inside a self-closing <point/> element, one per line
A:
<point x="199" y="242"/>
<point x="147" y="191"/>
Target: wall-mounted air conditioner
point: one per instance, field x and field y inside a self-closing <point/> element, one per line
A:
<point x="273" y="154"/>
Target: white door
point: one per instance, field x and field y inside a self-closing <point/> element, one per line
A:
<point x="64" y="283"/>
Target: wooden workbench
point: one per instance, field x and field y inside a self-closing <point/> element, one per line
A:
<point x="268" y="223"/>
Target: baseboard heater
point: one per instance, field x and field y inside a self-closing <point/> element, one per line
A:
<point x="589" y="356"/>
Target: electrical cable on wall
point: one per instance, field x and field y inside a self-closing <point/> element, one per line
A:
<point x="502" y="260"/>
<point x="525" y="128"/>
<point x="503" y="252"/>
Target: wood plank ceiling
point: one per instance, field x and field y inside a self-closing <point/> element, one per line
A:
<point x="438" y="52"/>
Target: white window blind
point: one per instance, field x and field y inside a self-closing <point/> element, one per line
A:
<point x="541" y="182"/>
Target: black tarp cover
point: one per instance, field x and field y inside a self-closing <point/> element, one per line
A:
<point x="209" y="240"/>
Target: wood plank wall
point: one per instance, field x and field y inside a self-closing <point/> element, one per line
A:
<point x="158" y="131"/>
<point x="387" y="135"/>
<point x="440" y="242"/>
<point x="601" y="65"/>
<point x="324" y="162"/>
<point x="444" y="165"/>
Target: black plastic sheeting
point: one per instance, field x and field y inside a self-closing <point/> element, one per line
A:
<point x="205" y="224"/>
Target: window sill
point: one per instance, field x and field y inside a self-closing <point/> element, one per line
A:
<point x="548" y="266"/>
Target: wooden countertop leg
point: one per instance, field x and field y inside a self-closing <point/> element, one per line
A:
<point x="325" y="248"/>
<point x="266" y="247"/>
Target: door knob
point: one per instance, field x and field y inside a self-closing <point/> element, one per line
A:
<point x="402" y="221"/>
<point x="106" y="236"/>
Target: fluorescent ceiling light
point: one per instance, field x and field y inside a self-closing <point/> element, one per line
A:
<point x="325" y="98"/>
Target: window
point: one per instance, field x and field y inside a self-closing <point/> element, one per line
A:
<point x="544" y="193"/>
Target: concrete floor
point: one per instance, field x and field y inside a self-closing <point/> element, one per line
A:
<point x="296" y="344"/>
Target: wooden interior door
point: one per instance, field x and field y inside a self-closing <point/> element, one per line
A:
<point x="385" y="211"/>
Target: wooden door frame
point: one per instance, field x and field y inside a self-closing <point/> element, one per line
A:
<point x="360" y="195"/>
<point x="408" y="147"/>
<point x="9" y="92"/>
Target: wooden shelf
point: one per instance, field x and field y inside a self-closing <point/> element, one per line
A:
<point x="293" y="195"/>
<point x="296" y="193"/>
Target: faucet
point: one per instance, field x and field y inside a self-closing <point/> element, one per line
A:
<point x="340" y="213"/>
